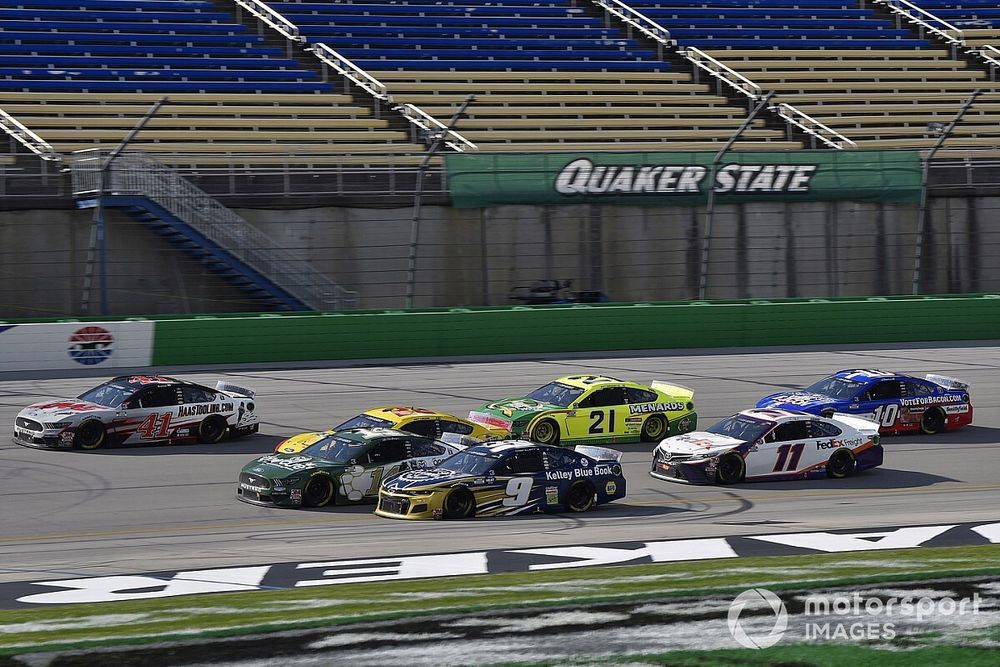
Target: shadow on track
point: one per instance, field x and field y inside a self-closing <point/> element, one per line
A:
<point x="878" y="478"/>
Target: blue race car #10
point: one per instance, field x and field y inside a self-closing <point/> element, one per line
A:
<point x="504" y="478"/>
<point x="770" y="445"/>
<point x="899" y="403"/>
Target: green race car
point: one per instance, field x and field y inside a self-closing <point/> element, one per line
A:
<point x="338" y="467"/>
<point x="594" y="408"/>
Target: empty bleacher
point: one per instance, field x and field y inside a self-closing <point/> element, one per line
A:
<point x="979" y="20"/>
<point x="547" y="74"/>
<point x="847" y="66"/>
<point x="81" y="73"/>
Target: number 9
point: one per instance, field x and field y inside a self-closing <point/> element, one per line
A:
<point x="518" y="490"/>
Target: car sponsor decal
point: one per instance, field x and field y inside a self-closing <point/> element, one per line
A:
<point x="204" y="409"/>
<point x="552" y="495"/>
<point x="655" y="407"/>
<point x="394" y="568"/>
<point x="91" y="345"/>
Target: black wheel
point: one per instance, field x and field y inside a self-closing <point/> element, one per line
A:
<point x="730" y="469"/>
<point x="932" y="422"/>
<point x="212" y="429"/>
<point x="546" y="432"/>
<point x="841" y="464"/>
<point x="318" y="492"/>
<point x="459" y="504"/>
<point x="90" y="435"/>
<point x="580" y="497"/>
<point x="654" y="429"/>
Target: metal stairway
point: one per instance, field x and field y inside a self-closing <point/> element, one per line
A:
<point x="190" y="219"/>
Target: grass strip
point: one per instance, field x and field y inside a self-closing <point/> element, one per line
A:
<point x="136" y="622"/>
<point x="805" y="655"/>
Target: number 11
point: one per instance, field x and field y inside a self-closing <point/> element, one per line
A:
<point x="793" y="462"/>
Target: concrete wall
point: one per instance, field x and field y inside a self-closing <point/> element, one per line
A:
<point x="471" y="257"/>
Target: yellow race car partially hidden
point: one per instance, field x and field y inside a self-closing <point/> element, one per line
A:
<point x="594" y="408"/>
<point x="420" y="421"/>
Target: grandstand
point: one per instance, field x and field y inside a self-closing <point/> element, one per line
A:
<point x="80" y="73"/>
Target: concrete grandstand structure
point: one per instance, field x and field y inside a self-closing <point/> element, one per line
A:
<point x="296" y="103"/>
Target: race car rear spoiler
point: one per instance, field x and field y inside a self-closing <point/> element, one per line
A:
<point x="222" y="385"/>
<point x="678" y="390"/>
<point x="946" y="382"/>
<point x="599" y="453"/>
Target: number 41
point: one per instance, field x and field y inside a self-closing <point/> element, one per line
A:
<point x="148" y="427"/>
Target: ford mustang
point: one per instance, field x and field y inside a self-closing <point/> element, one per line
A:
<point x="341" y="467"/>
<point x="505" y="478"/>
<point x="593" y="408"/>
<point x="139" y="409"/>
<point x="899" y="403"/>
<point x="412" y="420"/>
<point x="770" y="444"/>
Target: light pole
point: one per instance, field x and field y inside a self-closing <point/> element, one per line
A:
<point x="706" y="239"/>
<point x="943" y="133"/>
<point x="418" y="196"/>
<point x="98" y="235"/>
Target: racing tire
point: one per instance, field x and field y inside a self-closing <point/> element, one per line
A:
<point x="318" y="492"/>
<point x="730" y="469"/>
<point x="212" y="429"/>
<point x="841" y="464"/>
<point x="89" y="435"/>
<point x="932" y="422"/>
<point x="546" y="432"/>
<point x="458" y="504"/>
<point x="580" y="497"/>
<point x="654" y="429"/>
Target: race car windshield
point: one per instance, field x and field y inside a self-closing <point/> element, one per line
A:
<point x="555" y="393"/>
<point x="741" y="428"/>
<point x="469" y="463"/>
<point x="108" y="395"/>
<point x="363" y="421"/>
<point x="334" y="449"/>
<point x="835" y="387"/>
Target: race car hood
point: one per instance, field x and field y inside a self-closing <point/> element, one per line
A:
<point x="419" y="479"/>
<point x="60" y="410"/>
<point x="805" y="401"/>
<point x="297" y="443"/>
<point x="503" y="414"/>
<point x="280" y="466"/>
<point x="698" y="442"/>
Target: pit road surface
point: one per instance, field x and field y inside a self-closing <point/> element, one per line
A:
<point x="149" y="509"/>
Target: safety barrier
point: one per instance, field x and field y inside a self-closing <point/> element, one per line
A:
<point x="572" y="328"/>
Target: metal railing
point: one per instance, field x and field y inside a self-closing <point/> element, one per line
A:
<point x="27" y="138"/>
<point x="272" y="18"/>
<point x="637" y="20"/>
<point x="350" y="71"/>
<point x="136" y="174"/>
<point x="813" y="127"/>
<point x="722" y="72"/>
<point x="430" y="126"/>
<point x="925" y="20"/>
<point x="991" y="55"/>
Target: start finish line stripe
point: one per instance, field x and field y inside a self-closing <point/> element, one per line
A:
<point x="328" y="573"/>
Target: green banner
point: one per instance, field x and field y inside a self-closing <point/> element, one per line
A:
<point x="681" y="178"/>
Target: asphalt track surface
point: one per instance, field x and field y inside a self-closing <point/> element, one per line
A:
<point x="132" y="510"/>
